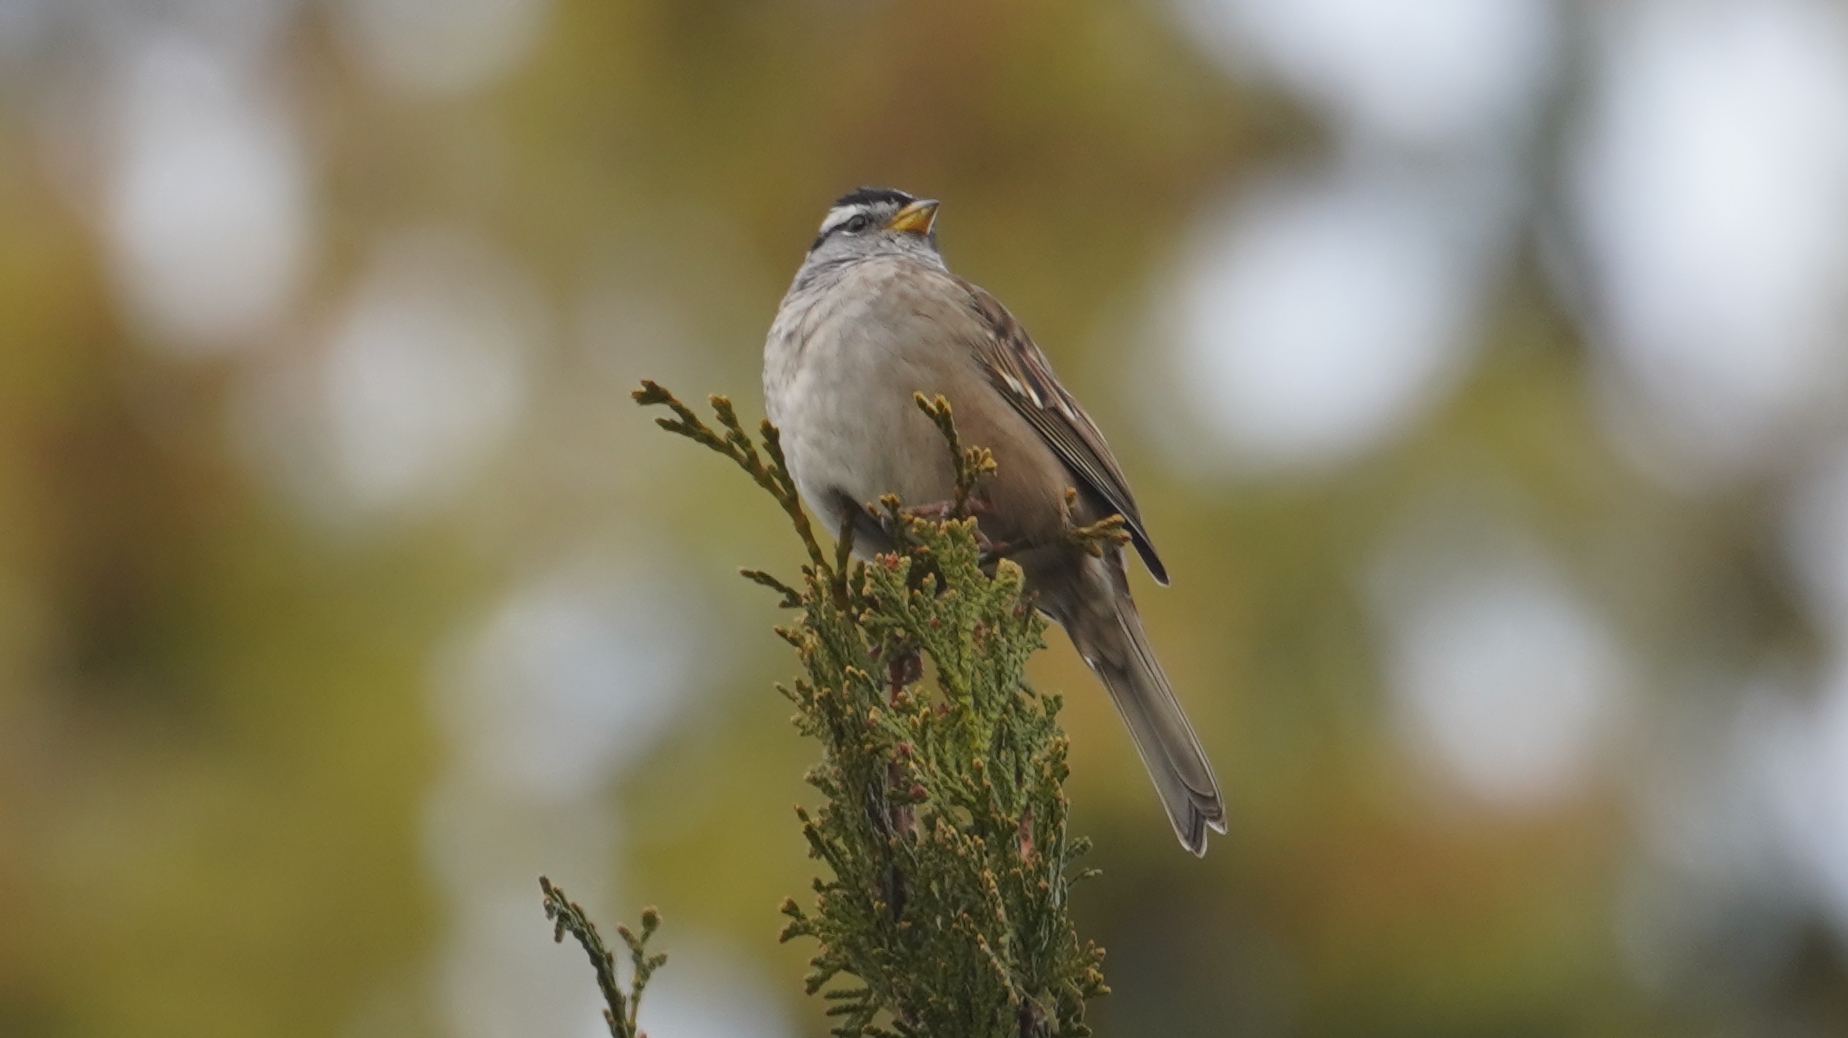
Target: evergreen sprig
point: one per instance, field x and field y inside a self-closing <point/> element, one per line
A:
<point x="569" y="918"/>
<point x="943" y="819"/>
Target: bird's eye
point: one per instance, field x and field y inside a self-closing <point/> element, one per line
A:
<point x="858" y="223"/>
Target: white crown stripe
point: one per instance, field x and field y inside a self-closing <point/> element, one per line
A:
<point x="840" y="214"/>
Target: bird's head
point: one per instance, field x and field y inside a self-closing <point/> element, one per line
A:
<point x="873" y="221"/>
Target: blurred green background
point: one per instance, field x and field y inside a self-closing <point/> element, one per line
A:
<point x="1478" y="365"/>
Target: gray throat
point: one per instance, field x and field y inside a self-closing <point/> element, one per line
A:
<point x="818" y="274"/>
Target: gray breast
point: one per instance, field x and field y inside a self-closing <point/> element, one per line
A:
<point x="841" y="363"/>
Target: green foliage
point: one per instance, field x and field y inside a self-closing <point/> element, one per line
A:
<point x="568" y="918"/>
<point x="943" y="820"/>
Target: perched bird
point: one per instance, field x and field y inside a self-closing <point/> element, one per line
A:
<point x="874" y="316"/>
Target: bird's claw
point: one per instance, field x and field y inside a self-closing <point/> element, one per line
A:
<point x="939" y="511"/>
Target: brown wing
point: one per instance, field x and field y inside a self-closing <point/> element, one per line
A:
<point x="1022" y="374"/>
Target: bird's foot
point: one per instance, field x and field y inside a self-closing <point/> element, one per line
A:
<point x="892" y="517"/>
<point x="939" y="511"/>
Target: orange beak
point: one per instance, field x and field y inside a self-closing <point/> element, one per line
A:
<point x="916" y="217"/>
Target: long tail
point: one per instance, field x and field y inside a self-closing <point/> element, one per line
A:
<point x="1112" y="641"/>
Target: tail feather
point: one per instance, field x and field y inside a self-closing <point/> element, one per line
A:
<point x="1117" y="649"/>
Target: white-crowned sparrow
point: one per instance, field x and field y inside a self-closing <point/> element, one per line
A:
<point x="874" y="316"/>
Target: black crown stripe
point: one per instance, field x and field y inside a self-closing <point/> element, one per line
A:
<point x="873" y="196"/>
